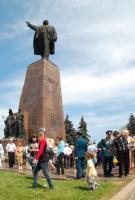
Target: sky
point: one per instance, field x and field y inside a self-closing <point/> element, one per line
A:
<point x="95" y="53"/>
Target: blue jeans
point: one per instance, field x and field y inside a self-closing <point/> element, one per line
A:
<point x="81" y="166"/>
<point x="44" y="167"/>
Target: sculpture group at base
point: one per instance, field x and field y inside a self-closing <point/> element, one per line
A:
<point x="14" y="126"/>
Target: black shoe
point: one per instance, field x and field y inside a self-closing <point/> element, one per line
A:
<point x="125" y="174"/>
<point x="110" y="175"/>
<point x="120" y="176"/>
<point x="78" y="178"/>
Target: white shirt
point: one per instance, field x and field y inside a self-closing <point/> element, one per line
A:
<point x="1" y="149"/>
<point x="67" y="151"/>
<point x="92" y="148"/>
<point x="11" y="147"/>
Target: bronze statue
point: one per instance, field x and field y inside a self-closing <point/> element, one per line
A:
<point x="44" y="39"/>
<point x="10" y="125"/>
<point x="14" y="125"/>
<point x="20" y="133"/>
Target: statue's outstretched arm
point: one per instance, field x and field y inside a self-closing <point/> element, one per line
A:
<point x="31" y="25"/>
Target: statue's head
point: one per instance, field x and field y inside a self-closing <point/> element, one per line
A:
<point x="45" y="22"/>
<point x="10" y="112"/>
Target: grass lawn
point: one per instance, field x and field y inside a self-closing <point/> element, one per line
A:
<point x="14" y="187"/>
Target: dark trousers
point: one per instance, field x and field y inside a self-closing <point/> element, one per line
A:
<point x="11" y="159"/>
<point x="67" y="162"/>
<point x="108" y="165"/>
<point x="81" y="167"/>
<point x="60" y="167"/>
<point x="44" y="167"/>
<point x="123" y="158"/>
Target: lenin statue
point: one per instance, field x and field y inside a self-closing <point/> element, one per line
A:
<point x="44" y="39"/>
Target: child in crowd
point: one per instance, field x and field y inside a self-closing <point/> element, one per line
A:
<point x="19" y="155"/>
<point x="51" y="155"/>
<point x="91" y="172"/>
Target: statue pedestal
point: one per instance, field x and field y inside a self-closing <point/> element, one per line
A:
<point x="41" y="98"/>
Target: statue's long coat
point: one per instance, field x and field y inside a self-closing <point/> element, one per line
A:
<point x="44" y="38"/>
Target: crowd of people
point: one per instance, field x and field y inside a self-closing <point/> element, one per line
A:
<point x="111" y="151"/>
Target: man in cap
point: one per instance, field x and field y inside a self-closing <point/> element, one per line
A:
<point x="44" y="39"/>
<point x="80" y="150"/>
<point x="105" y="145"/>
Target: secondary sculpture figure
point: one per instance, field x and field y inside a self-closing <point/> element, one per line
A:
<point x="44" y="39"/>
<point x="19" y="124"/>
<point x="14" y="125"/>
<point x="10" y="126"/>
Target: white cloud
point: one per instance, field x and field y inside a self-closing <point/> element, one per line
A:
<point x="83" y="88"/>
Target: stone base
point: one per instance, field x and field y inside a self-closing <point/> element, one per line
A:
<point x="41" y="98"/>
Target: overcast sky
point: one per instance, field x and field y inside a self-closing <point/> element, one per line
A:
<point x="95" y="53"/>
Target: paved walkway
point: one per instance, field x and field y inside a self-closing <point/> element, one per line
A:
<point x="70" y="173"/>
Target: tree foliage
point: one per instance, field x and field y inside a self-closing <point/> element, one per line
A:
<point x="70" y="131"/>
<point x="83" y="129"/>
<point x="131" y="124"/>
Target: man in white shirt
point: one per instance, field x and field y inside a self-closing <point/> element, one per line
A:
<point x="11" y="148"/>
<point x="67" y="152"/>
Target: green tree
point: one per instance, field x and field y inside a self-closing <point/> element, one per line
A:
<point x="131" y="124"/>
<point x="69" y="130"/>
<point x="83" y="128"/>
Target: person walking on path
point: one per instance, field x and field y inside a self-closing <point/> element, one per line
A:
<point x="79" y="153"/>
<point x="41" y="160"/>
